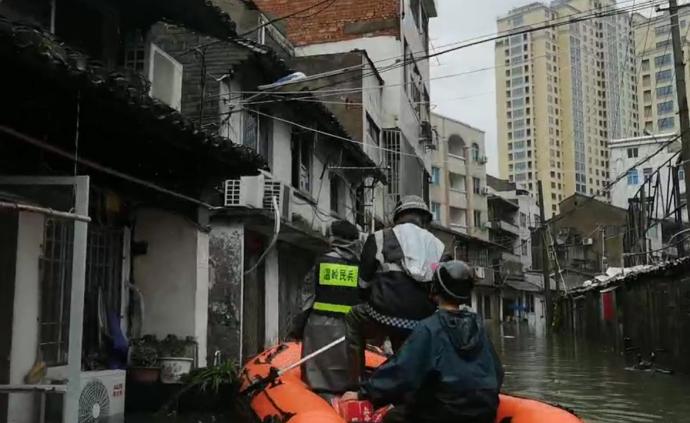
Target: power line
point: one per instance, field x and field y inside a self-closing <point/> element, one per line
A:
<point x="615" y="181"/>
<point x="328" y="134"/>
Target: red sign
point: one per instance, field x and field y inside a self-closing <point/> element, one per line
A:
<point x="608" y="306"/>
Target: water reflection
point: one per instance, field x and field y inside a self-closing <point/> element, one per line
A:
<point x="588" y="379"/>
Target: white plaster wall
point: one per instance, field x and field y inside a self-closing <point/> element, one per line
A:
<point x="173" y="276"/>
<point x="25" y="320"/>
<point x="282" y="153"/>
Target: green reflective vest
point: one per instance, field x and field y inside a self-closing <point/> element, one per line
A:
<point x="336" y="287"/>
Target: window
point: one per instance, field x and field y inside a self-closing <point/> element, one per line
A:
<point x="373" y="130"/>
<point x="55" y="284"/>
<point x="664" y="91"/>
<point x="647" y="172"/>
<point x="664" y="75"/>
<point x="523" y="248"/>
<point x="302" y="147"/>
<point x="633" y="152"/>
<point x="436" y="211"/>
<point x="645" y="65"/>
<point x="664" y="60"/>
<point x="477" y="219"/>
<point x="475" y="152"/>
<point x="435" y="176"/>
<point x="664" y="108"/>
<point x="414" y="6"/>
<point x="406" y="68"/>
<point x="487" y="307"/>
<point x="663" y="44"/>
<point x="456" y="146"/>
<point x="523" y="220"/>
<point x="633" y="177"/>
<point x="476" y="185"/>
<point x="165" y="75"/>
<point x="335" y="193"/>
<point x="666" y="123"/>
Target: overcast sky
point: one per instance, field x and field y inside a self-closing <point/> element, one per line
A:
<point x="469" y="98"/>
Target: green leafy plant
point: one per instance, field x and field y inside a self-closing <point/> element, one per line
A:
<point x="172" y="346"/>
<point x="145" y="352"/>
<point x="213" y="378"/>
<point x="209" y="380"/>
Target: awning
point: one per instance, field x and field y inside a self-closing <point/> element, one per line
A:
<point x="521" y="285"/>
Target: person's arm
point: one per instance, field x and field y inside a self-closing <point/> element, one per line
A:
<point x="307" y="297"/>
<point x="367" y="267"/>
<point x="400" y="378"/>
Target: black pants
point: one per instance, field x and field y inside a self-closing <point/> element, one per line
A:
<point x="360" y="327"/>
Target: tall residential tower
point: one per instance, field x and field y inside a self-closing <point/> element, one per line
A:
<point x="562" y="93"/>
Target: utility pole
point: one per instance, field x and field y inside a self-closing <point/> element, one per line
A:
<point x="681" y="95"/>
<point x="602" y="235"/>
<point x="545" y="259"/>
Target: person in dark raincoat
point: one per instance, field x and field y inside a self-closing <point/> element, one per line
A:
<point x="330" y="290"/>
<point x="447" y="371"/>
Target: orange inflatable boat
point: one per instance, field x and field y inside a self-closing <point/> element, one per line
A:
<point x="289" y="400"/>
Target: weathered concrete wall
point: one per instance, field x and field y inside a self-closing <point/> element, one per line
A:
<point x="226" y="251"/>
<point x="172" y="276"/>
<point x="296" y="263"/>
<point x="651" y="309"/>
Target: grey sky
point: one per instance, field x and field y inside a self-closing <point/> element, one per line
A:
<point x="469" y="98"/>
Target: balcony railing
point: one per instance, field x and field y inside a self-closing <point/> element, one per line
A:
<point x="502" y="225"/>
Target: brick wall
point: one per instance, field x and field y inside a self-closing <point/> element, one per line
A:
<point x="343" y="20"/>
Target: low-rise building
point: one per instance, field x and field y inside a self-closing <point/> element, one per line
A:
<point x="458" y="189"/>
<point x="115" y="210"/>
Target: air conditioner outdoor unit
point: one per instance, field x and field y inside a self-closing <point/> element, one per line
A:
<point x="483" y="160"/>
<point x="283" y="194"/>
<point x="588" y="241"/>
<point x="485" y="191"/>
<point x="480" y="272"/>
<point x="102" y="396"/>
<point x="247" y="191"/>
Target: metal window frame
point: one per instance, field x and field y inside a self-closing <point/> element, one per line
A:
<point x="70" y="410"/>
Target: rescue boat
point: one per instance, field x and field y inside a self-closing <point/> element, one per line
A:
<point x="289" y="400"/>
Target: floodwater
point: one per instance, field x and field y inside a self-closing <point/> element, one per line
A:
<point x="586" y="378"/>
<point x="560" y="370"/>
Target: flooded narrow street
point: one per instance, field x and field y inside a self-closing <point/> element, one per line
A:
<point x="588" y="379"/>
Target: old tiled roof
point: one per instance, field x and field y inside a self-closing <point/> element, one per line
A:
<point x="202" y="16"/>
<point x="37" y="50"/>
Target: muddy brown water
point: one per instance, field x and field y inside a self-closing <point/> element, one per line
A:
<point x="587" y="378"/>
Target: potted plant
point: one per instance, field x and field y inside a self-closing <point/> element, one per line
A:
<point x="144" y="366"/>
<point x="176" y="357"/>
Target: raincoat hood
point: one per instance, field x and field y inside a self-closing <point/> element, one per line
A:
<point x="464" y="330"/>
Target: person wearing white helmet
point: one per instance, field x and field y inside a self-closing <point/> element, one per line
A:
<point x="395" y="271"/>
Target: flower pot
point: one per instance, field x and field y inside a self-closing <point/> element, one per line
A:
<point x="173" y="368"/>
<point x="144" y="374"/>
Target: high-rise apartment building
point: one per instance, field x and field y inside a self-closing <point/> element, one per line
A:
<point x="562" y="93"/>
<point x="658" y="106"/>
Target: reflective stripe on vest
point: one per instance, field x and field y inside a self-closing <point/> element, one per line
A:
<point x="334" y="274"/>
<point x="332" y="308"/>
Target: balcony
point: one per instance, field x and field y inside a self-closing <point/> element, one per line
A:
<point x="457" y="199"/>
<point x="456" y="164"/>
<point x="502" y="225"/>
